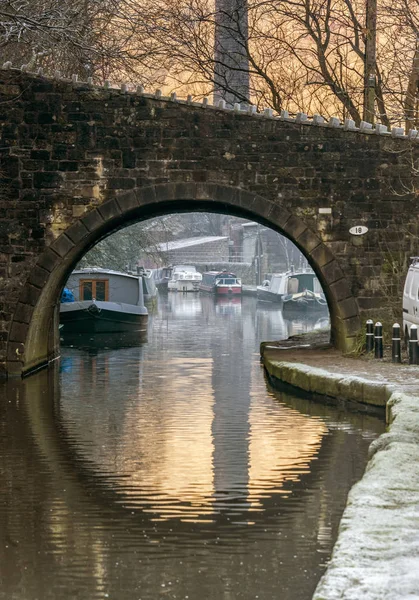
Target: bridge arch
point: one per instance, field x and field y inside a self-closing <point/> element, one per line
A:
<point x="34" y="339"/>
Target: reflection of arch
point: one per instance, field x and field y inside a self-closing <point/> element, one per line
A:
<point x="76" y="477"/>
<point x="34" y="326"/>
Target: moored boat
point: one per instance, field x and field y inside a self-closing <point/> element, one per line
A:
<point x="295" y="289"/>
<point x="185" y="278"/>
<point x="273" y="289"/>
<point x="221" y="283"/>
<point x="149" y="284"/>
<point x="104" y="302"/>
<point x="304" y="292"/>
<point x="162" y="277"/>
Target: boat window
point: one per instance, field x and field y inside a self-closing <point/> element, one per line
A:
<point x="229" y="281"/>
<point x="94" y="288"/>
<point x="86" y="292"/>
<point x="292" y="285"/>
<point x="100" y="290"/>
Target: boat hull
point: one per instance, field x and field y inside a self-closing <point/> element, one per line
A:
<point x="183" y="285"/>
<point x="268" y="296"/>
<point x="302" y="305"/>
<point x="102" y="317"/>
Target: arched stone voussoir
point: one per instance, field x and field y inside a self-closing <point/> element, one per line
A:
<point x="110" y="209"/>
<point x="62" y="245"/>
<point x="308" y="240"/>
<point x="347" y="309"/>
<point x="294" y="227"/>
<point x="331" y="272"/>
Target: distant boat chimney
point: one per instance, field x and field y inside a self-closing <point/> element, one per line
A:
<point x="231" y="66"/>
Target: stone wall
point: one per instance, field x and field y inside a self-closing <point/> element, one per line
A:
<point x="78" y="162"/>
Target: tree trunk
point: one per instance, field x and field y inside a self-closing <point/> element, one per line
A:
<point x="412" y="95"/>
<point x="370" y="61"/>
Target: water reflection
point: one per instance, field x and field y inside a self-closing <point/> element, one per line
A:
<point x="171" y="469"/>
<point x="103" y="341"/>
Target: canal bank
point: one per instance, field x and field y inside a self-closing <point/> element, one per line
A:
<point x="376" y="555"/>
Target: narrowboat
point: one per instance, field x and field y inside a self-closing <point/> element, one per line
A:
<point x="303" y="292"/>
<point x="162" y="277"/>
<point x="295" y="289"/>
<point x="104" y="302"/>
<point x="149" y="285"/>
<point x="220" y="283"/>
<point x="272" y="289"/>
<point x="185" y="278"/>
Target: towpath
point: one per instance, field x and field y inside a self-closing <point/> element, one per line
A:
<point x="376" y="555"/>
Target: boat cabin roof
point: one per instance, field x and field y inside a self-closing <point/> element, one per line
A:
<point x="188" y="268"/>
<point x="220" y="273"/>
<point x="100" y="271"/>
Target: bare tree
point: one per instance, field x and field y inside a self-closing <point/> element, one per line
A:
<point x="303" y="55"/>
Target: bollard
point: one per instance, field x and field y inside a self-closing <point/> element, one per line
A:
<point x="378" y="340"/>
<point x="369" y="341"/>
<point x="413" y="345"/>
<point x="395" y="344"/>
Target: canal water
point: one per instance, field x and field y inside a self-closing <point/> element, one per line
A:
<point x="172" y="469"/>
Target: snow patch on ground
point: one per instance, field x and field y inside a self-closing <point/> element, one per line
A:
<point x="376" y="555"/>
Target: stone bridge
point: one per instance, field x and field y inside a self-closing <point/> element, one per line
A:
<point x="80" y="162"/>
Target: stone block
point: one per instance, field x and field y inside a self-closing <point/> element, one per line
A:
<point x="68" y="165"/>
<point x="351" y="388"/>
<point x="48" y="260"/>
<point x="121" y="183"/>
<point x="203" y="191"/>
<point x="40" y="154"/>
<point x="109" y="210"/>
<point x="30" y="295"/>
<point x="275" y="369"/>
<point x="18" y="332"/>
<point x="147" y="195"/>
<point x="321" y="255"/>
<point x="347" y="308"/>
<point x="279" y="216"/>
<point x="375" y="393"/>
<point x="93" y="220"/>
<point x="294" y="227"/>
<point x="225" y="194"/>
<point x="185" y="191"/>
<point x="162" y="192"/>
<point x="62" y="245"/>
<point x="248" y="200"/>
<point x="23" y="313"/>
<point x="332" y="272"/>
<point x="127" y="201"/>
<point x="78" y="210"/>
<point x="308" y="241"/>
<point x="38" y="276"/>
<point x="47" y="180"/>
<point x="340" y="290"/>
<point x="77" y="232"/>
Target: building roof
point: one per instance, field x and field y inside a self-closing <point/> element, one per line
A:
<point x="188" y="242"/>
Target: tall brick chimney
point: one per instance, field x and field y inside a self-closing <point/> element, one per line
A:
<point x="231" y="69"/>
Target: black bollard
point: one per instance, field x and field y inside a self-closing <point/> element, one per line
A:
<point x="369" y="341"/>
<point x="378" y="340"/>
<point x="413" y="345"/>
<point x="395" y="344"/>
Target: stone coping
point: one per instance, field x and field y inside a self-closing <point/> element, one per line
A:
<point x="376" y="554"/>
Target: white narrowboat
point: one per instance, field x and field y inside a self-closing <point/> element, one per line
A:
<point x="185" y="278"/>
